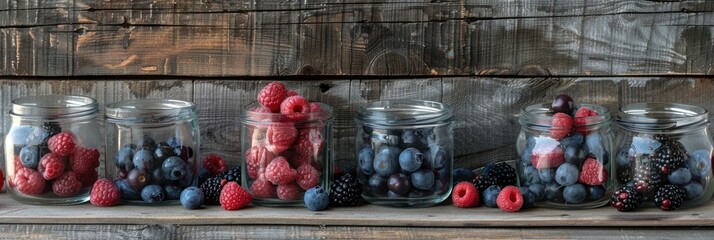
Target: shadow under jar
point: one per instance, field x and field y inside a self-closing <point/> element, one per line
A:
<point x="153" y="147"/>
<point x="566" y="167"/>
<point x="52" y="149"/>
<point x="404" y="152"/>
<point x="665" y="144"/>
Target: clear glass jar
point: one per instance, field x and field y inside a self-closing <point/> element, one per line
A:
<point x="52" y="149"/>
<point x="153" y="147"/>
<point x="665" y="143"/>
<point x="300" y="144"/>
<point x="404" y="152"/>
<point x="565" y="167"/>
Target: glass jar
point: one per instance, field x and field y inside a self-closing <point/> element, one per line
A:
<point x="565" y="167"/>
<point x="52" y="149"/>
<point x="153" y="147"/>
<point x="404" y="152"/>
<point x="665" y="144"/>
<point x="298" y="145"/>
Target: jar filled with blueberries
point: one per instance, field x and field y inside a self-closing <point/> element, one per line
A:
<point x="404" y="152"/>
<point x="564" y="153"/>
<point x="52" y="149"/>
<point x="664" y="154"/>
<point x="152" y="147"/>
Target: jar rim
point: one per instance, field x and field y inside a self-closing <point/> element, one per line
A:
<point x="54" y="106"/>
<point x="404" y="112"/>
<point x="249" y="116"/>
<point x="540" y="116"/>
<point x="149" y="110"/>
<point x="659" y="116"/>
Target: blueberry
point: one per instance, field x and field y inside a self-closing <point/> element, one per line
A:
<point x="490" y="195"/>
<point x="575" y="193"/>
<point x="644" y="145"/>
<point x="187" y="180"/>
<point x="567" y="174"/>
<point x="411" y="159"/>
<point x="157" y="176"/>
<point x="526" y="157"/>
<point x="624" y="159"/>
<point x="413" y="139"/>
<point x="173" y="192"/>
<point x="528" y="197"/>
<point x="377" y="184"/>
<point x="596" y="192"/>
<point x="138" y="178"/>
<point x="153" y="193"/>
<point x="399" y="184"/>
<point x="183" y="152"/>
<point x="575" y="155"/>
<point x="554" y="192"/>
<point x="680" y="176"/>
<point x="146" y="143"/>
<point x="547" y="175"/>
<point x="126" y="190"/>
<point x="124" y="158"/>
<point x="162" y="152"/>
<point x="700" y="163"/>
<point x="366" y="160"/>
<point x="436" y="157"/>
<point x="575" y="140"/>
<point x="594" y="143"/>
<point x="18" y="134"/>
<point x="174" y="168"/>
<point x="538" y="191"/>
<point x="694" y="190"/>
<point x="29" y="157"/>
<point x="462" y="174"/>
<point x="174" y="142"/>
<point x="192" y="198"/>
<point x="422" y="179"/>
<point x="143" y="159"/>
<point x="316" y="199"/>
<point x="531" y="175"/>
<point x="386" y="163"/>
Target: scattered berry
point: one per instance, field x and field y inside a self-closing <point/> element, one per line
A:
<point x="490" y="196"/>
<point x="625" y="199"/>
<point x="84" y="160"/>
<point x="462" y="175"/>
<point x="669" y="197"/>
<point x="345" y="192"/>
<point x="104" y="193"/>
<point x="67" y="185"/>
<point x="192" y="198"/>
<point x="593" y="173"/>
<point x="212" y="190"/>
<point x="232" y="175"/>
<point x="272" y="95"/>
<point x="61" y="144"/>
<point x="289" y="191"/>
<point x="465" y="195"/>
<point x="234" y="197"/>
<point x="215" y="164"/>
<point x="561" y="126"/>
<point x="295" y="108"/>
<point x="279" y="172"/>
<point x="51" y="166"/>
<point x="510" y="199"/>
<point x="316" y="199"/>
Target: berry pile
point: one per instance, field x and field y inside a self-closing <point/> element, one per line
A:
<point x="494" y="186"/>
<point x="48" y="160"/>
<point x="659" y="169"/>
<point x="286" y="144"/>
<point x="154" y="172"/>
<point x="568" y="164"/>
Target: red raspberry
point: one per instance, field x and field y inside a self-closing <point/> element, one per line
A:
<point x="262" y="188"/>
<point x="291" y="93"/>
<point x="279" y="172"/>
<point x="104" y="193"/>
<point x="547" y="154"/>
<point x="61" y="144"/>
<point x="280" y="136"/>
<point x="296" y="160"/>
<point x="272" y="95"/>
<point x="18" y="163"/>
<point x="561" y="126"/>
<point x="260" y="113"/>
<point x="295" y="108"/>
<point x="315" y="107"/>
<point x="234" y="197"/>
<point x="581" y="119"/>
<point x="51" y="166"/>
<point x="592" y="173"/>
<point x="289" y="192"/>
<point x="465" y="195"/>
<point x="257" y="135"/>
<point x="29" y="181"/>
<point x="67" y="185"/>
<point x="510" y="199"/>
<point x="215" y="164"/>
<point x="310" y="142"/>
<point x="88" y="178"/>
<point x="307" y="176"/>
<point x="84" y="160"/>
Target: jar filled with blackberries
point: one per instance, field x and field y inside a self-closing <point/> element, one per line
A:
<point x="152" y="149"/>
<point x="52" y="149"/>
<point x="564" y="152"/>
<point x="404" y="152"/>
<point x="663" y="158"/>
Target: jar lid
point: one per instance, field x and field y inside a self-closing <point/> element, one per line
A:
<point x="54" y="106"/>
<point x="404" y="112"/>
<point x="657" y="117"/>
<point x="150" y="110"/>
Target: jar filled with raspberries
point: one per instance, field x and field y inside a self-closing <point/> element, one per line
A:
<point x="564" y="152"/>
<point x="286" y="141"/>
<point x="404" y="152"/>
<point x="663" y="157"/>
<point x="52" y="149"/>
<point x="152" y="147"/>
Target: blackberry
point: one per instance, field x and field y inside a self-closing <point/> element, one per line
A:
<point x="647" y="178"/>
<point x="481" y="183"/>
<point x="625" y="199"/>
<point x="669" y="197"/>
<point x="232" y="175"/>
<point x="52" y="128"/>
<point x="500" y="174"/>
<point x="345" y="192"/>
<point x="624" y="174"/>
<point x="671" y="155"/>
<point x="212" y="190"/>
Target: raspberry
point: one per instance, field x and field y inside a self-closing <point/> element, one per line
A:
<point x="510" y="199"/>
<point x="465" y="195"/>
<point x="309" y="142"/>
<point x="561" y="125"/>
<point x="104" y="193"/>
<point x="581" y="119"/>
<point x="84" y="160"/>
<point x="291" y="93"/>
<point x="61" y="144"/>
<point x="272" y="95"/>
<point x="88" y="178"/>
<point x="279" y="172"/>
<point x="547" y="154"/>
<point x="66" y="185"/>
<point x="296" y="160"/>
<point x="51" y="166"/>
<point x="295" y="108"/>
<point x="262" y="188"/>
<point x="289" y="192"/>
<point x="315" y="107"/>
<point x="234" y="197"/>
<point x="307" y="176"/>
<point x="256" y="159"/>
<point x="260" y="113"/>
<point x="593" y="173"/>
<point x="18" y="163"/>
<point x="29" y="181"/>
<point x="215" y="164"/>
<point x="280" y="136"/>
